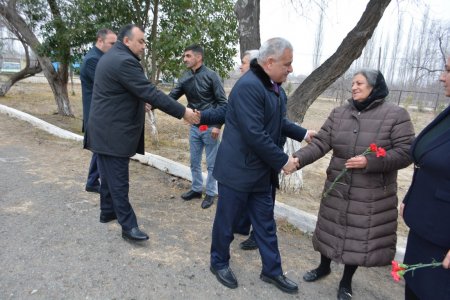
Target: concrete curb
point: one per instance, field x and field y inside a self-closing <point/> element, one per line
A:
<point x="304" y="221"/>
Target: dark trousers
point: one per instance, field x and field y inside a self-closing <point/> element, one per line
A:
<point x="260" y="211"/>
<point x="94" y="173"/>
<point x="114" y="173"/>
<point x="243" y="224"/>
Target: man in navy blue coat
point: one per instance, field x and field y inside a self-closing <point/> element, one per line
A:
<point x="105" y="40"/>
<point x="248" y="161"/>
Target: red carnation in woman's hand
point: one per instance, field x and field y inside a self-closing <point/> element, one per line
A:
<point x="203" y="128"/>
<point x="373" y="148"/>
<point x="380" y="152"/>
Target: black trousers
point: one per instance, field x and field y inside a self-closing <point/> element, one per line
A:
<point x="114" y="172"/>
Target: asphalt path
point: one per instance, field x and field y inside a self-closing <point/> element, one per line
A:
<point x="52" y="245"/>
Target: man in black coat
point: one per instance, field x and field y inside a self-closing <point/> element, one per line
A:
<point x="105" y="40"/>
<point x="116" y="123"/>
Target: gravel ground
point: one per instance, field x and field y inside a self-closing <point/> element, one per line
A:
<point x="53" y="247"/>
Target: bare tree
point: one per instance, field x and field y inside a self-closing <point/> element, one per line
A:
<point x="247" y="12"/>
<point x="319" y="34"/>
<point x="349" y="50"/>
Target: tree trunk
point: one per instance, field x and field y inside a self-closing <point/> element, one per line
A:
<point x="153" y="72"/>
<point x="247" y="13"/>
<point x="349" y="50"/>
<point x="57" y="80"/>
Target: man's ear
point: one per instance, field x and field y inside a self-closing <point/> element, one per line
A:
<point x="126" y="40"/>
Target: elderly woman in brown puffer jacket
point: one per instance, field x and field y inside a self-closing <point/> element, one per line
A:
<point x="357" y="220"/>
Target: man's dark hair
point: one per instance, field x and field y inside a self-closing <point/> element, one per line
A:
<point x="125" y="31"/>
<point x="195" y="48"/>
<point x="102" y="33"/>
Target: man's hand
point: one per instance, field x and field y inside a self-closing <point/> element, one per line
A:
<point x="446" y="262"/>
<point x="310" y="135"/>
<point x="292" y="165"/>
<point x="215" y="133"/>
<point x="148" y="107"/>
<point x="191" y="117"/>
<point x="402" y="208"/>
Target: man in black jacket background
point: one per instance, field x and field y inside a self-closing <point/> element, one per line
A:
<point x="203" y="90"/>
<point x="116" y="123"/>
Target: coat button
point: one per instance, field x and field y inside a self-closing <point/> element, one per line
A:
<point x="355" y="131"/>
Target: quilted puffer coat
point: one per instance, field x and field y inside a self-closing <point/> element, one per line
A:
<point x="357" y="220"/>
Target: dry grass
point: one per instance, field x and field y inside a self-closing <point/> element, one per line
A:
<point x="37" y="99"/>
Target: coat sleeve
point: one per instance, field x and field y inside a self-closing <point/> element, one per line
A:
<point x="319" y="146"/>
<point x="401" y="138"/>
<point x="90" y="66"/>
<point x="177" y="91"/>
<point x="212" y="116"/>
<point x="219" y="92"/>
<point x="132" y="77"/>
<point x="292" y="130"/>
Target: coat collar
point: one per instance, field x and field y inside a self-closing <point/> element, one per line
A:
<point x="98" y="51"/>
<point x="262" y="75"/>
<point x="201" y="68"/>
<point x="120" y="45"/>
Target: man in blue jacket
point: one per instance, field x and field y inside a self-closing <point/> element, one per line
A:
<point x="105" y="40"/>
<point x="116" y="124"/>
<point x="203" y="90"/>
<point x="248" y="161"/>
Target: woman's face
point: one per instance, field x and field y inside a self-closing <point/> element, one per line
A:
<point x="245" y="66"/>
<point x="360" y="88"/>
<point x="445" y="78"/>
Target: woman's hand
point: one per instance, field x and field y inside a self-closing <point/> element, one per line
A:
<point x="357" y="162"/>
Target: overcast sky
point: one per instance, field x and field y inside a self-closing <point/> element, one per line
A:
<point x="280" y="18"/>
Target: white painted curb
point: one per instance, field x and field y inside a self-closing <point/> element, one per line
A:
<point x="304" y="221"/>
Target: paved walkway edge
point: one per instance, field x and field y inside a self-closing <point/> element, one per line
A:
<point x="304" y="221"/>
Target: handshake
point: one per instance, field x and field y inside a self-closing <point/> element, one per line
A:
<point x="192" y="116"/>
<point x="292" y="165"/>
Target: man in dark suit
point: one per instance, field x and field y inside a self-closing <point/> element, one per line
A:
<point x="248" y="161"/>
<point x="115" y="129"/>
<point x="105" y="40"/>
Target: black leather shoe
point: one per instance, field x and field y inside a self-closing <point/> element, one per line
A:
<point x="208" y="201"/>
<point x="281" y="282"/>
<point x="191" y="195"/>
<point x="135" y="234"/>
<point x="93" y="188"/>
<point x="249" y="244"/>
<point x="105" y="218"/>
<point x="313" y="275"/>
<point x="344" y="293"/>
<point x="225" y="277"/>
